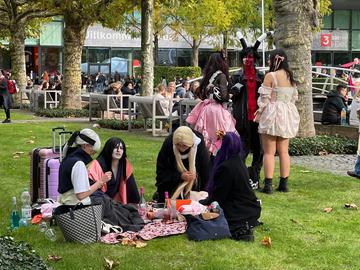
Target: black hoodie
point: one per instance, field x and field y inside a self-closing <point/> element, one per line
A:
<point x="333" y="105"/>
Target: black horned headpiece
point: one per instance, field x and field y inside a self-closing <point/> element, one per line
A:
<point x="246" y="51"/>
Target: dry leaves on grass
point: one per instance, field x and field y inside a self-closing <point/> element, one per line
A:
<point x="30" y="142"/>
<point x="266" y="242"/>
<point x="351" y="206"/>
<point x="327" y="209"/>
<point x="133" y="243"/>
<point x="110" y="264"/>
<point x="17" y="155"/>
<point x="54" y="258"/>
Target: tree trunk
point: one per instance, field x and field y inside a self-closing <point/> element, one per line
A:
<point x="156" y="48"/>
<point x="17" y="55"/>
<point x="147" y="51"/>
<point x="74" y="38"/>
<point x="294" y="25"/>
<point x="225" y="43"/>
<point x="195" y="53"/>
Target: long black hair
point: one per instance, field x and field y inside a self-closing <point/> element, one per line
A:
<point x="105" y="156"/>
<point x="217" y="61"/>
<point x="279" y="60"/>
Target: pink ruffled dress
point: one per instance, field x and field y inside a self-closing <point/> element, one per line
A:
<point x="208" y="117"/>
<point x="278" y="113"/>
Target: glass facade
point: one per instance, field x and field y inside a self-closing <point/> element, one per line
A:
<point x="338" y="25"/>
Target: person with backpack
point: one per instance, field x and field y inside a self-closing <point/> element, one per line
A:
<point x="211" y="116"/>
<point x="5" y="96"/>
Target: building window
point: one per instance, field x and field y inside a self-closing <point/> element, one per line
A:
<point x="341" y="19"/>
<point x="341" y="58"/>
<point x="355" y="46"/>
<point x="204" y="58"/>
<point x="327" y="22"/>
<point x="184" y="58"/>
<point x="356" y="19"/>
<point x="98" y="55"/>
<point x="232" y="59"/>
<point x="167" y="57"/>
<point x="51" y="60"/>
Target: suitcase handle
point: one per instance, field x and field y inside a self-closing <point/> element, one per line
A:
<point x="58" y="128"/>
<point x="62" y="135"/>
<point x="54" y="136"/>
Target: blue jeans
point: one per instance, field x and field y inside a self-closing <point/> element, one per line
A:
<point x="357" y="166"/>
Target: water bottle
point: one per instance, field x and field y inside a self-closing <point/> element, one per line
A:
<point x="343" y="117"/>
<point x="215" y="207"/>
<point x="25" y="207"/>
<point x="14" y="217"/>
<point x="142" y="203"/>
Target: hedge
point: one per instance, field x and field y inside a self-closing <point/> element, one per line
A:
<point x="322" y="144"/>
<point x="120" y="124"/>
<point x="62" y="113"/>
<point x="172" y="72"/>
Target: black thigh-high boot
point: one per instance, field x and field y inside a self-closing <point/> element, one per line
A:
<point x="283" y="185"/>
<point x="268" y="186"/>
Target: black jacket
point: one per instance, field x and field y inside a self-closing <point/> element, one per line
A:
<point x="167" y="175"/>
<point x="240" y="101"/>
<point x="333" y="105"/>
<point x="234" y="194"/>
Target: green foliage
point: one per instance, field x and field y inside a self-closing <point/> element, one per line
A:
<point x="322" y="144"/>
<point x="171" y="72"/>
<point x="119" y="124"/>
<point x="18" y="255"/>
<point x="60" y="112"/>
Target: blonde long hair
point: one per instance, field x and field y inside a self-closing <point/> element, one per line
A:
<point x="185" y="187"/>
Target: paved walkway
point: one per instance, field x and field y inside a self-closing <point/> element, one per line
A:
<point x="337" y="164"/>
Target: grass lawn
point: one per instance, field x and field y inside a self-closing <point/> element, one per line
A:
<point x="303" y="236"/>
<point x="17" y="114"/>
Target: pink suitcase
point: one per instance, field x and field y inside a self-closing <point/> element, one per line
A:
<point x="44" y="170"/>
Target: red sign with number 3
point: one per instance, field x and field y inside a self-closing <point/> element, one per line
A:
<point x="325" y="40"/>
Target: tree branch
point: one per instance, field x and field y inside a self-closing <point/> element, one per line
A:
<point x="36" y="13"/>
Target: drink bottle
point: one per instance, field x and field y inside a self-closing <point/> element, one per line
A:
<point x="343" y="117"/>
<point x="25" y="206"/>
<point x="142" y="203"/>
<point x="14" y="217"/>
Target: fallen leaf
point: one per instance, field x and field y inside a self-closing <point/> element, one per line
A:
<point x="351" y="206"/>
<point x="18" y="153"/>
<point x="54" y="258"/>
<point x="96" y="126"/>
<point x="109" y="264"/>
<point x="30" y="142"/>
<point x="327" y="209"/>
<point x="140" y="244"/>
<point x="16" y="156"/>
<point x="304" y="171"/>
<point x="266" y="241"/>
<point x="323" y="153"/>
<point x="32" y="137"/>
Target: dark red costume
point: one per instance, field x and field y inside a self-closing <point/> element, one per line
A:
<point x="245" y="104"/>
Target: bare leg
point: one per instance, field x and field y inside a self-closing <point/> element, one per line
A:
<point x="282" y="148"/>
<point x="269" y="146"/>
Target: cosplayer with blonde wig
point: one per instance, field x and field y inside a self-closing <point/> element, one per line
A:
<point x="182" y="164"/>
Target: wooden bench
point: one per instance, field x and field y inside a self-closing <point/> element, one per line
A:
<point x="149" y="107"/>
